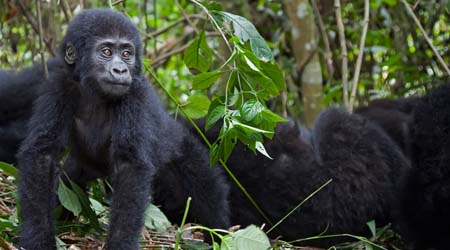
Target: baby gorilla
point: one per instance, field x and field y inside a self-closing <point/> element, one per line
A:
<point x="97" y="103"/>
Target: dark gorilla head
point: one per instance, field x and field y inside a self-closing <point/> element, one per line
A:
<point x="104" y="49"/>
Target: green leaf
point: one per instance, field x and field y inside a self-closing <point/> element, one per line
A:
<point x="87" y="210"/>
<point x="228" y="243"/>
<point x="8" y="169"/>
<point x="60" y="245"/>
<point x="214" y="154"/>
<point x="273" y="71"/>
<point x="197" y="106"/>
<point x="250" y="109"/>
<point x="248" y="137"/>
<point x="250" y="128"/>
<point x="260" y="147"/>
<point x="216" y="111"/>
<point x="251" y="238"/>
<point x="271" y="116"/>
<point x="198" y="55"/>
<point x="255" y="78"/>
<point x="368" y="246"/>
<point x="205" y="80"/>
<point x="155" y="219"/>
<point x="68" y="198"/>
<point x="246" y="31"/>
<point x="269" y="121"/>
<point x="250" y="64"/>
<point x="6" y="225"/>
<point x="97" y="206"/>
<point x="372" y="227"/>
<point x="228" y="142"/>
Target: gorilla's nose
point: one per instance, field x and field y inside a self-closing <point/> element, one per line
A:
<point x="120" y="70"/>
<point x="120" y="74"/>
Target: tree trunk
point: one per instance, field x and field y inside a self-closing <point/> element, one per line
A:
<point x="304" y="41"/>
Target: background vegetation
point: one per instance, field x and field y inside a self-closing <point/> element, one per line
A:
<point x="318" y="53"/>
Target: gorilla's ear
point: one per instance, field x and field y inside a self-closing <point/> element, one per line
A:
<point x="71" y="54"/>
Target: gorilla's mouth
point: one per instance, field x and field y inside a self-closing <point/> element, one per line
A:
<point x="116" y="83"/>
<point x="114" y="88"/>
<point x="109" y="80"/>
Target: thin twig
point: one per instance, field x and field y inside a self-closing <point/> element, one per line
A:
<point x="147" y="27"/>
<point x="170" y="26"/>
<point x="35" y="26"/>
<point x="427" y="38"/>
<point x="214" y="23"/>
<point x="341" y="31"/>
<point x="155" y="22"/>
<point x="299" y="205"/>
<point x="117" y="2"/>
<point x="66" y="10"/>
<point x="157" y="62"/>
<point x="41" y="51"/>
<point x="326" y="42"/>
<point x="163" y="57"/>
<point x="186" y="16"/>
<point x="359" y="60"/>
<point x="416" y="4"/>
<point x="183" y="221"/>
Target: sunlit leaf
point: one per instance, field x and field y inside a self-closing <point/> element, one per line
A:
<point x="250" y="109"/>
<point x="246" y="31"/>
<point x="228" y="243"/>
<point x="251" y="238"/>
<point x="155" y="219"/>
<point x="197" y="106"/>
<point x="198" y="55"/>
<point x="205" y="80"/>
<point x="8" y="169"/>
<point x="260" y="147"/>
<point x="216" y="111"/>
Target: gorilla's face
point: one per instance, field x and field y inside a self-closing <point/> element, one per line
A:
<point x="106" y="67"/>
<point x="102" y="49"/>
<point x="111" y="64"/>
<point x="114" y="62"/>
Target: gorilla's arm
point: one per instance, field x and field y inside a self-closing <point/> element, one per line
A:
<point x="38" y="167"/>
<point x="133" y="143"/>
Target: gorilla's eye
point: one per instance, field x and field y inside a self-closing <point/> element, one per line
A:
<point x="126" y="54"/>
<point x="107" y="52"/>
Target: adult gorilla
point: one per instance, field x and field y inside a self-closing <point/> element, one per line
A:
<point x="366" y="166"/>
<point x="97" y="102"/>
<point x="428" y="135"/>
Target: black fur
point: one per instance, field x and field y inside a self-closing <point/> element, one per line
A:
<point x="17" y="92"/>
<point x="366" y="166"/>
<point x="128" y="136"/>
<point x="428" y="204"/>
<point x="395" y="117"/>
